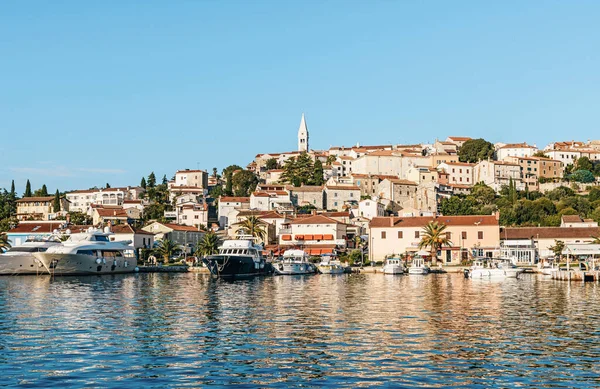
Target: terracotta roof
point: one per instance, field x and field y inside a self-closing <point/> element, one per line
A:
<point x="31" y="199"/>
<point x="340" y="187"/>
<point x="420" y="221"/>
<point x="346" y="157"/>
<point x="523" y="145"/>
<point x="305" y="188"/>
<point x="260" y="194"/>
<point x="81" y="191"/>
<point x="402" y="182"/>
<point x="384" y="153"/>
<point x="41" y="228"/>
<point x="572" y="219"/>
<point x="336" y="214"/>
<point x="549" y="232"/>
<point x="235" y="199"/>
<point x="108" y="213"/>
<point x="315" y="219"/>
<point x="177" y="227"/>
<point x="459" y="138"/>
<point x="261" y="214"/>
<point x="190" y="171"/>
<point x="459" y="163"/>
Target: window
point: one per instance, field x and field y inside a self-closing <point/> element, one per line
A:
<point x="448" y="235"/>
<point x="335" y="203"/>
<point x="334" y="194"/>
<point x="383" y="234"/>
<point x="479" y="234"/>
<point x="196" y="217"/>
<point x="464" y="234"/>
<point x="351" y="194"/>
<point x="417" y="234"/>
<point x="460" y="170"/>
<point x="399" y="234"/>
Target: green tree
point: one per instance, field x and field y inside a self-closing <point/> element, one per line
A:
<point x="319" y="178"/>
<point x="475" y="150"/>
<point x="271" y="164"/>
<point x="164" y="180"/>
<point x="79" y="218"/>
<point x="143" y="183"/>
<point x="330" y="159"/>
<point x="584" y="163"/>
<point x="540" y="153"/>
<point x="584" y="176"/>
<point x="299" y="171"/>
<point x="558" y="248"/>
<point x="228" y="175"/>
<point x="594" y="194"/>
<point x="151" y="180"/>
<point x="253" y="226"/>
<point x="483" y="194"/>
<point x="4" y="243"/>
<point x="434" y="237"/>
<point x="43" y="191"/>
<point x="27" y="189"/>
<point x="243" y="183"/>
<point x="107" y="185"/>
<point x="56" y="203"/>
<point x="166" y="248"/>
<point x="209" y="245"/>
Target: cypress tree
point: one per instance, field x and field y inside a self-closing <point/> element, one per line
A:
<point x="27" y="189"/>
<point x="143" y="183"/>
<point x="107" y="185"/>
<point x="164" y="180"/>
<point x="44" y="190"/>
<point x="151" y="180"/>
<point x="12" y="188"/>
<point x="56" y="204"/>
<point x="318" y="177"/>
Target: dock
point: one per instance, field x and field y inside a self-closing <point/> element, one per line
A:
<point x="577" y="275"/>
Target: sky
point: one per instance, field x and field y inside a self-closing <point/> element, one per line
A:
<point x="108" y="91"/>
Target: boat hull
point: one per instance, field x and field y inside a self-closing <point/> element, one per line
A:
<point x="495" y="273"/>
<point x="80" y="264"/>
<point x="21" y="265"/>
<point x="393" y="269"/>
<point x="236" y="266"/>
<point x="418" y="270"/>
<point x="330" y="269"/>
<point x="294" y="268"/>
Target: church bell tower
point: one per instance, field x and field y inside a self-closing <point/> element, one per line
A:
<point x="303" y="135"/>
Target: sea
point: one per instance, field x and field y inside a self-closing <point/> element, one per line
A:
<point x="171" y="330"/>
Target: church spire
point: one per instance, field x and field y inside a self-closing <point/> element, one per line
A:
<point x="303" y="135"/>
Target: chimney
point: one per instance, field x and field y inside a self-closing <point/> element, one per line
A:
<point x="497" y="215"/>
<point x="391" y="221"/>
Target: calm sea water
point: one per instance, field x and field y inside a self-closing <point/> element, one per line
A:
<point x="186" y="330"/>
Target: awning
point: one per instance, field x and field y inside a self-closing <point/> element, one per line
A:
<point x="286" y="237"/>
<point x="318" y="236"/>
<point x="308" y="237"/>
<point x="328" y="237"/>
<point x="299" y="237"/>
<point x="318" y="251"/>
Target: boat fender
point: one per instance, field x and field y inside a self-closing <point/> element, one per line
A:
<point x="125" y="264"/>
<point x="98" y="261"/>
<point x="137" y="269"/>
<point x="104" y="261"/>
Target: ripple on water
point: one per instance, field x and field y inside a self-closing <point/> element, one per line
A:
<point x="186" y="330"/>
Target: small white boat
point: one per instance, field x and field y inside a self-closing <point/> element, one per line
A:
<point x="394" y="265"/>
<point x="547" y="268"/>
<point x="294" y="262"/>
<point x="493" y="269"/>
<point x="418" y="266"/>
<point x="330" y="266"/>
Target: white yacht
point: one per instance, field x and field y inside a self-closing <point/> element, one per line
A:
<point x="330" y="266"/>
<point x="394" y="265"/>
<point x="547" y="268"/>
<point x="418" y="266"/>
<point x="294" y="262"/>
<point x="238" y="258"/>
<point x="19" y="260"/>
<point x="487" y="269"/>
<point x="89" y="252"/>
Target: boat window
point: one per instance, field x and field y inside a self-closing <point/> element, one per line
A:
<point x="86" y="252"/>
<point x="23" y="250"/>
<point x="111" y="253"/>
<point x="101" y="238"/>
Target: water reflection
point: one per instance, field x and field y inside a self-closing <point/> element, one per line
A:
<point x="187" y="330"/>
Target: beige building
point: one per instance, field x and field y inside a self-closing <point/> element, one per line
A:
<point x="185" y="236"/>
<point x="40" y="208"/>
<point x="305" y="195"/>
<point x="459" y="173"/>
<point x="381" y="162"/>
<point x="458" y="140"/>
<point x="227" y="205"/>
<point x="534" y="168"/>
<point x="336" y="197"/>
<point x="316" y="234"/>
<point x="544" y="238"/>
<point x="471" y="236"/>
<point x="515" y="150"/>
<point x="497" y="174"/>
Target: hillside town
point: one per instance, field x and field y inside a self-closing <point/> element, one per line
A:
<point x="360" y="201"/>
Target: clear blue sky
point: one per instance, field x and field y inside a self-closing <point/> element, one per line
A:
<point x="107" y="91"/>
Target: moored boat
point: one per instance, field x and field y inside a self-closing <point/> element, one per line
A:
<point x="328" y="265"/>
<point x="294" y="262"/>
<point x="20" y="260"/>
<point x="493" y="269"/>
<point x="394" y="265"/>
<point x="418" y="266"/>
<point x="238" y="258"/>
<point x="89" y="252"/>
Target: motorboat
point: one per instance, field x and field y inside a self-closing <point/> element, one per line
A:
<point x="547" y="268"/>
<point x="418" y="266"/>
<point x="238" y="258"/>
<point x="89" y="252"/>
<point x="488" y="268"/>
<point x="329" y="265"/>
<point x="20" y="260"/>
<point x="294" y="262"/>
<point x="394" y="265"/>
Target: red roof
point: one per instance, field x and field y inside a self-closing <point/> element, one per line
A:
<point x="178" y="227"/>
<point x="235" y="199"/>
<point x="550" y="233"/>
<point x="340" y="187"/>
<point x="32" y="199"/>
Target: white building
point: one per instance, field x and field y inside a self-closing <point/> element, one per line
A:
<point x="496" y="174"/>
<point x="370" y="208"/>
<point x="459" y="173"/>
<point x="303" y="135"/>
<point x="227" y="205"/>
<point x="515" y="150"/>
<point x="81" y="200"/>
<point x="271" y="200"/>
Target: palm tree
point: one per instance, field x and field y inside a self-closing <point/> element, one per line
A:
<point x="359" y="244"/>
<point x="208" y="245"/>
<point x="596" y="239"/>
<point x="254" y="226"/>
<point x="434" y="237"/>
<point x="166" y="248"/>
<point x="4" y="243"/>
